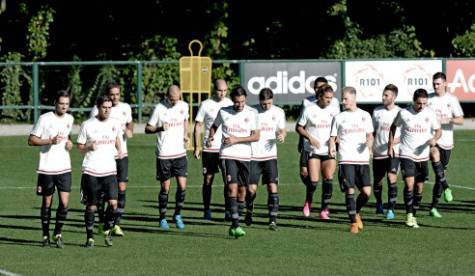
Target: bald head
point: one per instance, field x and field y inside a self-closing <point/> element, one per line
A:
<point x="173" y="94"/>
<point x="221" y="88"/>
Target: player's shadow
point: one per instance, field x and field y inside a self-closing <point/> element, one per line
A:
<point x="22" y="242"/>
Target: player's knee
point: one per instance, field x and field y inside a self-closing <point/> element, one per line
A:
<point x="91" y="208"/>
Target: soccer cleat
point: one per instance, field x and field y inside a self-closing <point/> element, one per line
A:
<point x="414" y="223"/>
<point x="434" y="213"/>
<point x="379" y="208"/>
<point x="227" y="216"/>
<point x="179" y="222"/>
<point x="409" y="220"/>
<point x="354" y="228"/>
<point x="207" y="215"/>
<point x="117" y="231"/>
<point x="89" y="243"/>
<point x="108" y="237"/>
<point x="306" y="208"/>
<point x="58" y="239"/>
<point x="273" y="226"/>
<point x="45" y="242"/>
<point x="390" y="214"/>
<point x="100" y="228"/>
<point x="448" y="197"/>
<point x="324" y="214"/>
<point x="248" y="218"/>
<point x="164" y="224"/>
<point x="236" y="232"/>
<point x="359" y="222"/>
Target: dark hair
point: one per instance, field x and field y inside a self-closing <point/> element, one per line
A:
<point x="266" y="94"/>
<point x="391" y="87"/>
<point x="319" y="79"/>
<point x="61" y="93"/>
<point x="439" y="75"/>
<point x="420" y="93"/>
<point x="238" y="91"/>
<point x="324" y="88"/>
<point x="110" y="86"/>
<point x="102" y="99"/>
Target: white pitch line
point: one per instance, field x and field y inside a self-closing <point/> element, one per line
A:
<point x="7" y="273"/>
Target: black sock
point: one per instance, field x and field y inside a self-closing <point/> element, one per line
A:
<point x="206" y="195"/>
<point x="311" y="187"/>
<point x="233" y="208"/>
<point x="440" y="174"/>
<point x="179" y="201"/>
<point x="61" y="214"/>
<point x="100" y="208"/>
<point x="417" y="202"/>
<point x="351" y="207"/>
<point x="162" y="204"/>
<point x="45" y="216"/>
<point x="120" y="207"/>
<point x="111" y="215"/>
<point x="226" y="198"/>
<point x="327" y="190"/>
<point x="392" y="196"/>
<point x="250" y="197"/>
<point x="378" y="191"/>
<point x="305" y="180"/>
<point x="89" y="221"/>
<point x="361" y="201"/>
<point x="436" y="194"/>
<point x="241" y="206"/>
<point x="273" y="206"/>
<point x="408" y="200"/>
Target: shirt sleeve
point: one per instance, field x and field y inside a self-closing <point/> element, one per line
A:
<point x="435" y="124"/>
<point x="129" y="114"/>
<point x="334" y="129"/>
<point x="200" y="116"/>
<point x="456" y="108"/>
<point x="82" y="137"/>
<point x="186" y="107"/>
<point x="303" y="117"/>
<point x="38" y="128"/>
<point x="369" y="124"/>
<point x="398" y="119"/>
<point x="154" y="119"/>
<point x="254" y="124"/>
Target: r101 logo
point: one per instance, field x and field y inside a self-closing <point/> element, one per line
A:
<point x="417" y="81"/>
<point x="370" y="82"/>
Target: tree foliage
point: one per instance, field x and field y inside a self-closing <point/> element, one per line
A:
<point x="464" y="45"/>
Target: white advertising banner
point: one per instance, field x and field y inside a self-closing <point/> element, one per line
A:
<point x="370" y="77"/>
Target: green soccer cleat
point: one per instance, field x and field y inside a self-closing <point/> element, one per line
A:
<point x="108" y="238"/>
<point x="117" y="231"/>
<point x="448" y="197"/>
<point x="236" y="232"/>
<point x="89" y="243"/>
<point x="434" y="213"/>
<point x="58" y="240"/>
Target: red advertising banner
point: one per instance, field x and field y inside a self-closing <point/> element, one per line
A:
<point x="461" y="79"/>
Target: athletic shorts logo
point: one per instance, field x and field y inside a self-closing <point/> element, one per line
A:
<point x="229" y="178"/>
<point x="205" y="170"/>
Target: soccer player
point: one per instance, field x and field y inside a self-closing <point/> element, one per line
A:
<point x="449" y="113"/>
<point x="240" y="128"/>
<point x="170" y="121"/>
<point x="52" y="134"/>
<point x="264" y="156"/>
<point x="314" y="126"/>
<point x="210" y="157"/>
<point x="99" y="140"/>
<point x="310" y="189"/>
<point x="123" y="113"/>
<point x="383" y="164"/>
<point x="417" y="125"/>
<point x="354" y="130"/>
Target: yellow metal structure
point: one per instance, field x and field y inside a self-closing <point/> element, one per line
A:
<point x="195" y="77"/>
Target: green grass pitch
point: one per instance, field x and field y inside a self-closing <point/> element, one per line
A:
<point x="299" y="247"/>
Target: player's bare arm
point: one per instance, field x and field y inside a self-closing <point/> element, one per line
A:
<point x="281" y="134"/>
<point x="210" y="139"/>
<point x="254" y="137"/>
<point x="332" y="146"/>
<point x="304" y="133"/>
<point x="196" y="138"/>
<point x="391" y="140"/>
<point x="369" y="142"/>
<point x="186" y="135"/>
<point x="37" y="141"/>
<point x="129" y="130"/>
<point x="436" y="137"/>
<point x="84" y="148"/>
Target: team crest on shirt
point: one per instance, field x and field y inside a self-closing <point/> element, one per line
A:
<point x="68" y="126"/>
<point x="246" y="120"/>
<point x="427" y="119"/>
<point x="363" y="119"/>
<point x="113" y="129"/>
<point x="181" y="112"/>
<point x="123" y="113"/>
<point x="273" y="118"/>
<point x="449" y="106"/>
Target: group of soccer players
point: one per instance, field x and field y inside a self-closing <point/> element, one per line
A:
<point x="241" y="142"/>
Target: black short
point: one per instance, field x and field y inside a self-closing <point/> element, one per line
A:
<point x="210" y="162"/>
<point x="444" y="156"/>
<point x="235" y="171"/>
<point x="386" y="165"/>
<point x="268" y="170"/>
<point x="48" y="183"/>
<point x="319" y="157"/>
<point x="304" y="158"/>
<point x="122" y="169"/>
<point x="350" y="175"/>
<point x="168" y="168"/>
<point x="93" y="187"/>
<point x="419" y="170"/>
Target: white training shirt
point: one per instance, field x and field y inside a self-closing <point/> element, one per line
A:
<point x="446" y="107"/>
<point x="101" y="161"/>
<point x="382" y="121"/>
<point x="171" y="142"/>
<point x="351" y="127"/>
<point x="270" y="122"/>
<point x="54" y="159"/>
<point x="416" y="131"/>
<point x="238" y="124"/>
<point x="123" y="114"/>
<point x="318" y="121"/>
<point x="207" y="114"/>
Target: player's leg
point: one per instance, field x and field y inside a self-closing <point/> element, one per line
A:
<point x="237" y="174"/>
<point x="363" y="182"/>
<point x="227" y="212"/>
<point x="314" y="166"/>
<point x="328" y="169"/>
<point x="379" y="171"/>
<point x="110" y="188"/>
<point x="163" y="173"/>
<point x="346" y="178"/>
<point x="393" y="170"/>
<point x="271" y="179"/>
<point x="45" y="189"/>
<point x="210" y="161"/>
<point x="254" y="176"/>
<point x="89" y="186"/>
<point x="408" y="169"/>
<point x="122" y="179"/>
<point x="180" y="171"/>
<point x="63" y="183"/>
